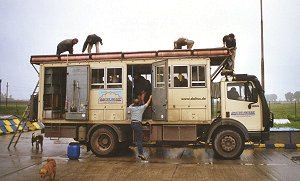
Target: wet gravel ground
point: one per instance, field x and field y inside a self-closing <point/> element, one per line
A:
<point x="164" y="163"/>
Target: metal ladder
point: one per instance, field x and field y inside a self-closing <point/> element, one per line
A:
<point x="27" y="116"/>
<point x="220" y="68"/>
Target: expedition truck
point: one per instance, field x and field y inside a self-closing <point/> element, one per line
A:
<point x="85" y="97"/>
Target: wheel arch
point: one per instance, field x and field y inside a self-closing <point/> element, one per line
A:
<point x="220" y="123"/>
<point x="117" y="130"/>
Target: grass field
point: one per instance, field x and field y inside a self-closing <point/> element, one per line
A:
<point x="286" y="110"/>
<point x="282" y="110"/>
<point x="13" y="108"/>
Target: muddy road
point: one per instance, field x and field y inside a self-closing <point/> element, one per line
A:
<point x="164" y="163"/>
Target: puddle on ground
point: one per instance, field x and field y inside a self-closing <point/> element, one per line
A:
<point x="296" y="159"/>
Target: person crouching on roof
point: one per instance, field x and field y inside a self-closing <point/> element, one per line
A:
<point x="66" y="45"/>
<point x="90" y="41"/>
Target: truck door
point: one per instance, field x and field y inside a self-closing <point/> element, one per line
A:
<point x="243" y="105"/>
<point x="77" y="92"/>
<point x="160" y="81"/>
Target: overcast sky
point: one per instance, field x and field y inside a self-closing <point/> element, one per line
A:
<point x="35" y="27"/>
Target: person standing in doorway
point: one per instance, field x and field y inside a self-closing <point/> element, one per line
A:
<point x="137" y="111"/>
<point x="90" y="41"/>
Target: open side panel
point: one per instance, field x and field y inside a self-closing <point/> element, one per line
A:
<point x="54" y="93"/>
<point x="160" y="80"/>
<point x="77" y="92"/>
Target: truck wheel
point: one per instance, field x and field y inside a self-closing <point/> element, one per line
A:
<point x="228" y="144"/>
<point x="103" y="142"/>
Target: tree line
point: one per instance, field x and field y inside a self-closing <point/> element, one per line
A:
<point x="288" y="96"/>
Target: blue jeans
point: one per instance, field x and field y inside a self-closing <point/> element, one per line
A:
<point x="137" y="127"/>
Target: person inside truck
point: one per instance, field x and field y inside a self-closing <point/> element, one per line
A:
<point x="66" y="45"/>
<point x="233" y="94"/>
<point x="183" y="82"/>
<point x="90" y="41"/>
<point x="176" y="82"/>
<point x="183" y="42"/>
<point x="142" y="88"/>
<point x="129" y="91"/>
<point x="136" y="110"/>
<point x="230" y="43"/>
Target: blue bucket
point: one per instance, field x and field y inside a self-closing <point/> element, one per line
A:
<point x="73" y="150"/>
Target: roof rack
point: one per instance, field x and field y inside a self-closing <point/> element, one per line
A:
<point x="216" y="55"/>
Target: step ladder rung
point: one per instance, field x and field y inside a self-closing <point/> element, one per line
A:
<point x="23" y="120"/>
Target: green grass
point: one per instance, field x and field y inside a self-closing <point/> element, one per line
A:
<point x="15" y="108"/>
<point x="285" y="110"/>
<point x="293" y="124"/>
<point x="290" y="111"/>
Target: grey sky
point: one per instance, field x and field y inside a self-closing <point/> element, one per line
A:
<point x="35" y="27"/>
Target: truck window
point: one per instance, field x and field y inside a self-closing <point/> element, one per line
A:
<point x="239" y="91"/>
<point x="160" y="76"/>
<point x="180" y="76"/>
<point x="114" y="77"/>
<point x="97" y="79"/>
<point x="198" y="76"/>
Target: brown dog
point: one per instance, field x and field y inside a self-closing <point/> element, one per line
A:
<point x="49" y="169"/>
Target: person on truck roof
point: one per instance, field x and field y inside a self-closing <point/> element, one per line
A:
<point x="66" y="45"/>
<point x="137" y="111"/>
<point x="230" y="43"/>
<point x="90" y="41"/>
<point x="183" y="42"/>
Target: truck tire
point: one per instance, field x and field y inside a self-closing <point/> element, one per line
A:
<point x="103" y="142"/>
<point x="228" y="144"/>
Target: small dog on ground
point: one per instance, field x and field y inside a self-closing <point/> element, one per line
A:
<point x="49" y="169"/>
<point x="38" y="139"/>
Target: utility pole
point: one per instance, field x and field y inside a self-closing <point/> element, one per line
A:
<point x="262" y="64"/>
<point x="6" y="94"/>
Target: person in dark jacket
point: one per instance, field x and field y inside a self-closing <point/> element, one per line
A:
<point x="230" y="43"/>
<point x="90" y="41"/>
<point x="142" y="88"/>
<point x="66" y="45"/>
<point x="183" y="42"/>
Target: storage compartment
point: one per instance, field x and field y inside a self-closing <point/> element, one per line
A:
<point x="145" y="133"/>
<point x="114" y="114"/>
<point x="96" y="115"/>
<point x="156" y="133"/>
<point x="193" y="114"/>
<point x="179" y="133"/>
<point x="60" y="131"/>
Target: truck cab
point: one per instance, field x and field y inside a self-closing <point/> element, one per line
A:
<point x="242" y="114"/>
